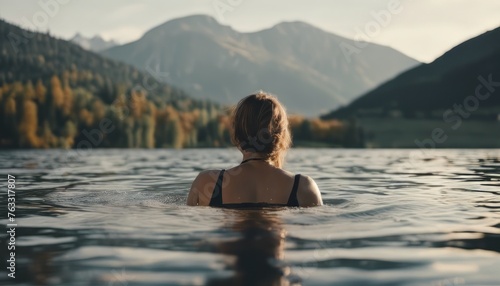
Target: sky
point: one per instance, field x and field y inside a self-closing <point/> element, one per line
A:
<point x="422" y="29"/>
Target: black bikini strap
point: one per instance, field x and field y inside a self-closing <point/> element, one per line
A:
<point x="216" y="199"/>
<point x="293" y="201"/>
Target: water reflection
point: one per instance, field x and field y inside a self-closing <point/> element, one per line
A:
<point x="256" y="254"/>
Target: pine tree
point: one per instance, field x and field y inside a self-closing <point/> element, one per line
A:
<point x="40" y="92"/>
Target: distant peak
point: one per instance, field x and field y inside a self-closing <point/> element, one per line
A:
<point x="197" y="18"/>
<point x="293" y="25"/>
<point x="77" y="36"/>
<point x="96" y="43"/>
<point x="97" y="37"/>
<point x="189" y="23"/>
<point x="195" y="21"/>
<point x="298" y="28"/>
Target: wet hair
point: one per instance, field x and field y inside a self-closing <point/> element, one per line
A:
<point x="260" y="125"/>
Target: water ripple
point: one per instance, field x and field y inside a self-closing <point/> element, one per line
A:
<point x="118" y="217"/>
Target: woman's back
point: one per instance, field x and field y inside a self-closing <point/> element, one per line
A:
<point x="260" y="130"/>
<point x="255" y="184"/>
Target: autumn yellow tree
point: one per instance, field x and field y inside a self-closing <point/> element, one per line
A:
<point x="169" y="132"/>
<point x="28" y="126"/>
<point x="67" y="105"/>
<point x="9" y="129"/>
<point x="85" y="117"/>
<point x="29" y="91"/>
<point x="56" y="92"/>
<point x="69" y="133"/>
<point x="137" y="103"/>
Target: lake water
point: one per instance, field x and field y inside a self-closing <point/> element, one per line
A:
<point x="117" y="217"/>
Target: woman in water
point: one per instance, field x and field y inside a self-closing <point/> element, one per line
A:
<point x="260" y="131"/>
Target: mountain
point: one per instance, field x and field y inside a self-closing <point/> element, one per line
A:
<point x="31" y="56"/>
<point x="306" y="67"/>
<point x="95" y="44"/>
<point x="428" y="90"/>
<point x="55" y="94"/>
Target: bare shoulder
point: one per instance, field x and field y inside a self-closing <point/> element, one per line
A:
<point x="202" y="188"/>
<point x="207" y="176"/>
<point x="308" y="193"/>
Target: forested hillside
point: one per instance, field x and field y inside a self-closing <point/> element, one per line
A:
<point x="428" y="90"/>
<point x="51" y="91"/>
<point x="54" y="94"/>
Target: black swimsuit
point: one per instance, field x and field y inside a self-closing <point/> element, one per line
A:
<point x="216" y="200"/>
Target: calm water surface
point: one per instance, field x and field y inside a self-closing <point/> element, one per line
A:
<point x="391" y="217"/>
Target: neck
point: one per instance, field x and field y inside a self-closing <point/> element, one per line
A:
<point x="253" y="159"/>
<point x="249" y="156"/>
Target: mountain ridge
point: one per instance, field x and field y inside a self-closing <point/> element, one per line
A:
<point x="33" y="55"/>
<point x="95" y="43"/>
<point x="454" y="74"/>
<point x="54" y="93"/>
<point x="300" y="63"/>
